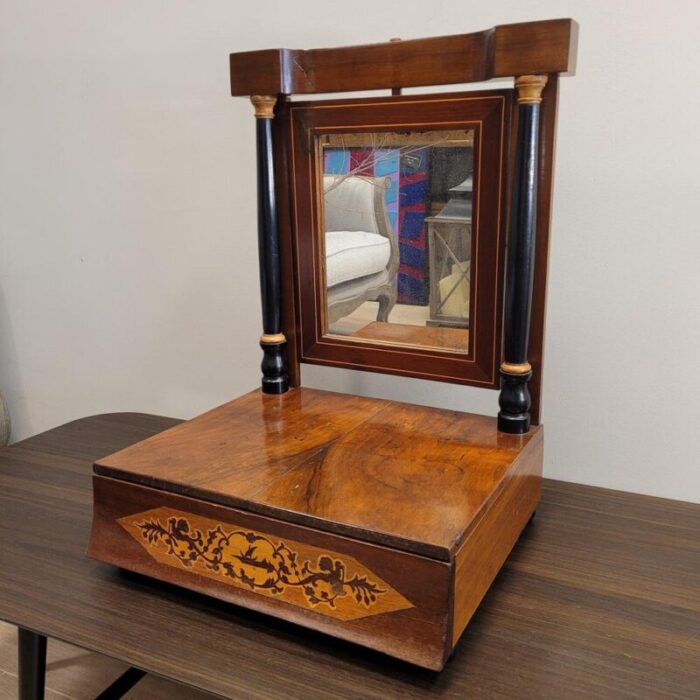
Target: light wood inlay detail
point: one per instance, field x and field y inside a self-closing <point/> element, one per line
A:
<point x="273" y="338"/>
<point x="530" y="88"/>
<point x="293" y="572"/>
<point x="513" y="368"/>
<point x="264" y="106"/>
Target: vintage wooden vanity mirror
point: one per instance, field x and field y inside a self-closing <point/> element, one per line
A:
<point x="405" y="234"/>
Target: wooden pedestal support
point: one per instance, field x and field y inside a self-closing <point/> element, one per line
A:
<point x="377" y="522"/>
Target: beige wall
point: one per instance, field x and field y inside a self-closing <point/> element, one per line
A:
<point x="127" y="219"/>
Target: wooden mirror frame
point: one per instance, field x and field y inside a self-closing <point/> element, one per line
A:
<point x="534" y="53"/>
<point x="488" y="114"/>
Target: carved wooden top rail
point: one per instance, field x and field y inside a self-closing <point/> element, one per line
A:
<point x="548" y="46"/>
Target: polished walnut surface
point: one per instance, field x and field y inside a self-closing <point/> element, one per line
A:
<point x="408" y="476"/>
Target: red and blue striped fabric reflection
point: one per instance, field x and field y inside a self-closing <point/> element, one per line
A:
<point x="406" y="203"/>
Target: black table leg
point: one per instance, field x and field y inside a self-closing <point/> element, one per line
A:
<point x="122" y="685"/>
<point x="31" y="649"/>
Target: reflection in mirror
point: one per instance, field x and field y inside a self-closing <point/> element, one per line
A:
<point x="397" y="218"/>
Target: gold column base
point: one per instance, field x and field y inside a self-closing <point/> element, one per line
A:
<point x="517" y="369"/>
<point x="272" y="339"/>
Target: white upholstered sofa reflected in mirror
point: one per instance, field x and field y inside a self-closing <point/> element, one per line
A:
<point x="362" y="255"/>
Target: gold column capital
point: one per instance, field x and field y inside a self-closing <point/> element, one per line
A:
<point x="530" y="88"/>
<point x="264" y="106"/>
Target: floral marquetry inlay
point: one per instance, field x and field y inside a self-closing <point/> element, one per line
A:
<point x="294" y="572"/>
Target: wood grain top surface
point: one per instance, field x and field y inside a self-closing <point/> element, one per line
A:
<point x="403" y="475"/>
<point x="599" y="599"/>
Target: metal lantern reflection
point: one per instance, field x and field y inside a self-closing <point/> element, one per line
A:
<point x="449" y="246"/>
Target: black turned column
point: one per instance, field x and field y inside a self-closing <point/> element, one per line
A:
<point x="274" y="365"/>
<point x="514" y="399"/>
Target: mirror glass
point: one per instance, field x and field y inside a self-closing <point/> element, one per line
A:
<point x="397" y="222"/>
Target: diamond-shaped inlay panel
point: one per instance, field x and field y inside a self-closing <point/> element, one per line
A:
<point x="294" y="572"/>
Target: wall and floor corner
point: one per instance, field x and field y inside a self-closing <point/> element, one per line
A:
<point x="128" y="273"/>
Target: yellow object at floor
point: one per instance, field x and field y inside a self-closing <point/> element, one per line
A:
<point x="457" y="303"/>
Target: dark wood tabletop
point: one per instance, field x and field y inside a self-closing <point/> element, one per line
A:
<point x="599" y="599"/>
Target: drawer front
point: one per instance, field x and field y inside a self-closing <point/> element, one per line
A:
<point x="382" y="598"/>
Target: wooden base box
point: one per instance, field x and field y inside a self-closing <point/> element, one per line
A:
<point x="377" y="522"/>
